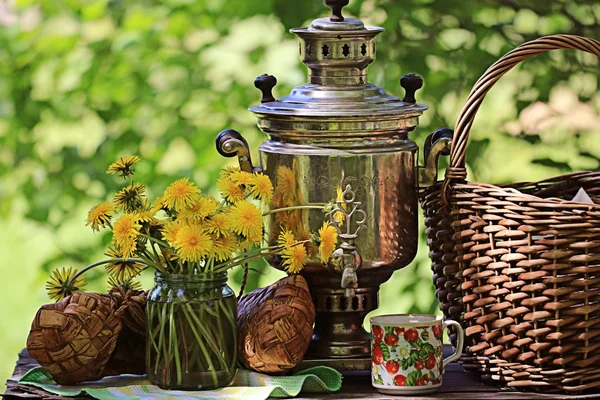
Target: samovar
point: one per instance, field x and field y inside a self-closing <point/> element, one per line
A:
<point x="340" y="137"/>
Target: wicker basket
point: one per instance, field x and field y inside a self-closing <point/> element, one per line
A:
<point x="519" y="265"/>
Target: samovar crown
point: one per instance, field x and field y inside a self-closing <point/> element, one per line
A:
<point x="338" y="105"/>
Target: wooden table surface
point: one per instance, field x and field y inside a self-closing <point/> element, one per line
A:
<point x="457" y="384"/>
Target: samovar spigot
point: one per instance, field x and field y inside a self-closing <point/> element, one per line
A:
<point x="347" y="256"/>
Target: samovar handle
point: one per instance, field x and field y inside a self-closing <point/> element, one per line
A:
<point x="231" y="143"/>
<point x="348" y="256"/>
<point x="437" y="144"/>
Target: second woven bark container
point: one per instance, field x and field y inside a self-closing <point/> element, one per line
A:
<point x="275" y="325"/>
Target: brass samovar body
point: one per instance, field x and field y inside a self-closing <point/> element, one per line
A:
<point x="342" y="138"/>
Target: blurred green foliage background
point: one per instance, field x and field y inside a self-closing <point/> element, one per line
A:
<point x="85" y="81"/>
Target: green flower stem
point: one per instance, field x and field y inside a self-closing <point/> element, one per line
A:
<point x="205" y="333"/>
<point x="155" y="240"/>
<point x="314" y="206"/>
<point x="200" y="342"/>
<point x="175" y="343"/>
<point x="244" y="258"/>
<point x="161" y="323"/>
<point x="186" y="353"/>
<point x="107" y="261"/>
<point x="229" y="315"/>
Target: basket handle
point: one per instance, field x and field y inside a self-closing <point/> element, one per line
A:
<point x="457" y="170"/>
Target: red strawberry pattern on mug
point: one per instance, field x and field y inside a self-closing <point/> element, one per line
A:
<point x="408" y="356"/>
<point x="400" y="380"/>
<point x="392" y="367"/>
<point x="437" y="331"/>
<point x="377" y="355"/>
<point x="411" y="335"/>
<point x="378" y="333"/>
<point x="391" y="340"/>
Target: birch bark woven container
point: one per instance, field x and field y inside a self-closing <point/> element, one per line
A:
<point x="275" y="325"/>
<point x="518" y="264"/>
<point x="74" y="339"/>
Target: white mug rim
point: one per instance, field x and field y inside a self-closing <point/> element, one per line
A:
<point x="402" y="320"/>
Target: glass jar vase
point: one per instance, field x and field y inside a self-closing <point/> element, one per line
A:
<point x="191" y="341"/>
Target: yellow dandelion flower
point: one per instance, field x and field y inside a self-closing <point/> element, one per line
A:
<point x="246" y="219"/>
<point x="127" y="284"/>
<point x="228" y="171"/>
<point x="159" y="204"/>
<point x="286" y="238"/>
<point x="123" y="166"/>
<point x="241" y="178"/>
<point x="339" y="216"/>
<point x="193" y="243"/>
<point x="261" y="188"/>
<point x="294" y="258"/>
<point x="168" y="255"/>
<point x="121" y="270"/>
<point x="219" y="224"/>
<point x="230" y="190"/>
<point x="61" y="283"/>
<point x="130" y="198"/>
<point x="256" y="238"/>
<point x="125" y="233"/>
<point x="328" y="236"/>
<point x="170" y="229"/>
<point x="200" y="209"/>
<point x="145" y="214"/>
<point x="286" y="185"/>
<point x="180" y="194"/>
<point x="223" y="248"/>
<point x="99" y="216"/>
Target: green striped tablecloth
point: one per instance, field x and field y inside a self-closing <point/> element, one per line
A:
<point x="246" y="385"/>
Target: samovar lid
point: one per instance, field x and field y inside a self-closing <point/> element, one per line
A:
<point x="337" y="51"/>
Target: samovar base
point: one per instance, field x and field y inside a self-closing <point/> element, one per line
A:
<point x="338" y="334"/>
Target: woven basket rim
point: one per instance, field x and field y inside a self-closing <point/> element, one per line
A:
<point x="510" y="191"/>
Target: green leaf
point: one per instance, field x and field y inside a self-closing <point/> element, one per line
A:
<point x="388" y="330"/>
<point x="378" y="381"/>
<point x="413" y="376"/>
<point x="385" y="350"/>
<point x="423" y="352"/>
<point x="405" y="363"/>
<point x="414" y="356"/>
<point x="428" y="347"/>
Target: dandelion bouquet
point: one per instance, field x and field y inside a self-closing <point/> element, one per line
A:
<point x="191" y="240"/>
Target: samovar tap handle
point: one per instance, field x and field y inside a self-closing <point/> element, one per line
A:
<point x="344" y="212"/>
<point x="231" y="143"/>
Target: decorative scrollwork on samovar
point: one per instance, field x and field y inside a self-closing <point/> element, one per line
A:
<point x="347" y="257"/>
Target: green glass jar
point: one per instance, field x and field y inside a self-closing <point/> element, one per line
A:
<point x="191" y="341"/>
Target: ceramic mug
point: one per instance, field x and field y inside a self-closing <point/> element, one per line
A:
<point x="406" y="351"/>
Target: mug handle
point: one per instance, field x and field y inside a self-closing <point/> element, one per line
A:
<point x="461" y="341"/>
